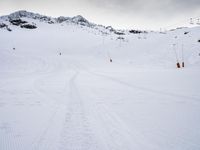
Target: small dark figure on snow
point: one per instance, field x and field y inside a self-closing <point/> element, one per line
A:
<point x="110" y="60"/>
<point x="13" y="48"/>
<point x="178" y="65"/>
<point x="183" y="64"/>
<point x="60" y="54"/>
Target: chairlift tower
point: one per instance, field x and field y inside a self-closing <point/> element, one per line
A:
<point x="144" y="35"/>
<point x="120" y="42"/>
<point x="198" y="21"/>
<point x="191" y="21"/>
<point x="177" y="62"/>
<point x="183" y="63"/>
<point x="139" y="36"/>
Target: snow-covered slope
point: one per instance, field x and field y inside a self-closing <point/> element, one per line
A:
<point x="59" y="90"/>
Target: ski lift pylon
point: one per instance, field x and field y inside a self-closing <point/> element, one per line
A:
<point x="183" y="63"/>
<point x="191" y="21"/>
<point x="177" y="61"/>
<point x="198" y="21"/>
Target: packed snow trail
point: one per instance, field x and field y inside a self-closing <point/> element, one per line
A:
<point x="112" y="105"/>
<point x="69" y="105"/>
<point x="76" y="133"/>
<point x="81" y="101"/>
<point x="144" y="89"/>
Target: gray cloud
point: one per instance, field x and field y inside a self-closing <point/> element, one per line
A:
<point x="163" y="7"/>
<point x="150" y="12"/>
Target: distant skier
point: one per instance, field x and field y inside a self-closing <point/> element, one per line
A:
<point x="110" y="60"/>
<point x="60" y="53"/>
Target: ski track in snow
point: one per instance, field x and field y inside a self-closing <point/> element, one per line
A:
<point x="85" y="124"/>
<point x="72" y="102"/>
<point x="144" y="89"/>
<point x="76" y="133"/>
<point x="116" y="133"/>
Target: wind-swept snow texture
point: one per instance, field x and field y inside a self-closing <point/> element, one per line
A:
<point x="59" y="90"/>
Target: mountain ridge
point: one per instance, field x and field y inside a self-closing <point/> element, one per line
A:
<point x="23" y="13"/>
<point x="6" y="21"/>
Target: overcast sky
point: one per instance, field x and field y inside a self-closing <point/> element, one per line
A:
<point x="139" y="14"/>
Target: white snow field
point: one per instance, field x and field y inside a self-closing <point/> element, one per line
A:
<point x="79" y="100"/>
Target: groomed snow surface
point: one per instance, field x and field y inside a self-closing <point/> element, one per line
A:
<point x="59" y="91"/>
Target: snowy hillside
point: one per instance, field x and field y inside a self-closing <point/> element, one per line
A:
<point x="59" y="90"/>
